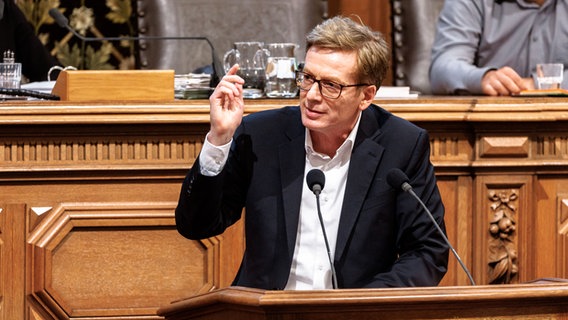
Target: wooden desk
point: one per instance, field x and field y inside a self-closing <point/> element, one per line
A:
<point x="525" y="301"/>
<point x="87" y="193"/>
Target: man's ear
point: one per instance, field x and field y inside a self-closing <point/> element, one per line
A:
<point x="369" y="93"/>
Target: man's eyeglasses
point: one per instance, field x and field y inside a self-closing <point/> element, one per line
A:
<point x="328" y="89"/>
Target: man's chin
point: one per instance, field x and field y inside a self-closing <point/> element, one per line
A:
<point x="313" y="125"/>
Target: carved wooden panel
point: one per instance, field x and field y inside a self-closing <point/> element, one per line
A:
<point x="114" y="259"/>
<point x="504" y="147"/>
<point x="535" y="148"/>
<point x="504" y="218"/>
<point x="503" y="243"/>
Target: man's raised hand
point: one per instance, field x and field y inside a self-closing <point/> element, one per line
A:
<point x="226" y="107"/>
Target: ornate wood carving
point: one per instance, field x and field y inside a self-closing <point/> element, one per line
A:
<point x="503" y="267"/>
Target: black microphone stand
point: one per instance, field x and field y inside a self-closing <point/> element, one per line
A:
<point x="333" y="274"/>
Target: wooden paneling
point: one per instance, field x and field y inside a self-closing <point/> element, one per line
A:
<point x="125" y="257"/>
<point x="88" y="192"/>
<point x="456" y="193"/>
<point x="12" y="255"/>
<point x="86" y="220"/>
<point x="551" y="230"/>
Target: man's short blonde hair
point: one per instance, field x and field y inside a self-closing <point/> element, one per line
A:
<point x="342" y="33"/>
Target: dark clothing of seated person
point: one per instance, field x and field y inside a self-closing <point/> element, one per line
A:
<point x="17" y="35"/>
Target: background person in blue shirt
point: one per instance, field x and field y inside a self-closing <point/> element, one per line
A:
<point x="492" y="47"/>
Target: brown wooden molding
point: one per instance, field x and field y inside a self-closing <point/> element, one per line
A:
<point x="562" y="252"/>
<point x="98" y="153"/>
<point x="504" y="147"/>
<point x="552" y="146"/>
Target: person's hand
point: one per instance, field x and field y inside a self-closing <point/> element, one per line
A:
<point x="504" y="82"/>
<point x="226" y="108"/>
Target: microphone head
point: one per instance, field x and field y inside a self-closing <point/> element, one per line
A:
<point x="315" y="180"/>
<point x="398" y="179"/>
<point x="59" y="17"/>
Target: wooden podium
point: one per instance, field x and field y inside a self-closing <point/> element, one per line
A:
<point x="525" y="301"/>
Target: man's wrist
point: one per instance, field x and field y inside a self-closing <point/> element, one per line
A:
<point x="218" y="140"/>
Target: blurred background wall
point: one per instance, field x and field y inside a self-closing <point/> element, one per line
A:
<point x="113" y="18"/>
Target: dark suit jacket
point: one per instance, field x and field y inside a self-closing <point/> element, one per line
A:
<point x="384" y="239"/>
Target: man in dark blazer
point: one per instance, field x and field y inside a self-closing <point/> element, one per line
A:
<point x="377" y="236"/>
<point x="18" y="36"/>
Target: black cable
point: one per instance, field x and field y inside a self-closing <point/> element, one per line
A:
<point x="29" y="93"/>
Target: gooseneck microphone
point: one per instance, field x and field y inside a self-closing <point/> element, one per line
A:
<point x="316" y="180"/>
<point x="63" y="22"/>
<point x="399" y="180"/>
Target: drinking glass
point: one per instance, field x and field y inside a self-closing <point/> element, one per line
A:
<point x="549" y="75"/>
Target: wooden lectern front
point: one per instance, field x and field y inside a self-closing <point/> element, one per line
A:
<point x="521" y="301"/>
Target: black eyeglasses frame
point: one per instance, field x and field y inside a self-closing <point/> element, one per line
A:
<point x="301" y="74"/>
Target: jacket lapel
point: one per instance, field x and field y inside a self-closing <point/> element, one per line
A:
<point x="292" y="162"/>
<point x="362" y="169"/>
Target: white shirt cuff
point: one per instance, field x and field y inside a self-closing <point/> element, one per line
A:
<point x="212" y="158"/>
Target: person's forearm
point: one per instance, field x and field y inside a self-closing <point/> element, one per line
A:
<point x="449" y="76"/>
